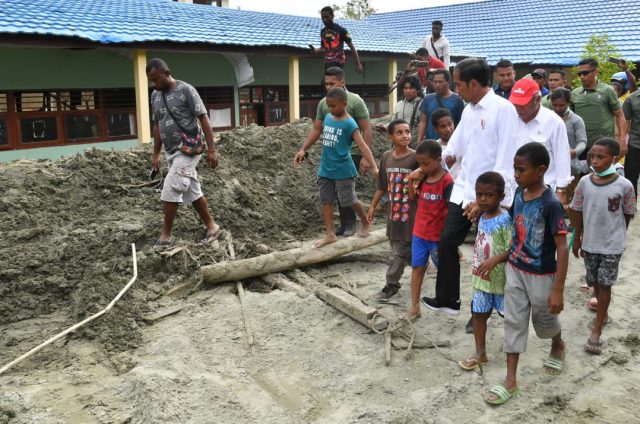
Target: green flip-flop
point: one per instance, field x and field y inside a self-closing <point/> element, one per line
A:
<point x="503" y="394"/>
<point x="554" y="366"/>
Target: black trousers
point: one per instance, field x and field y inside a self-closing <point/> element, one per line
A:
<point x="347" y="215"/>
<point x="456" y="228"/>
<point x="632" y="167"/>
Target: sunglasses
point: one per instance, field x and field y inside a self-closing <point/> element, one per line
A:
<point x="584" y="73"/>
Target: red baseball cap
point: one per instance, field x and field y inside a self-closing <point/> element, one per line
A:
<point x="523" y="91"/>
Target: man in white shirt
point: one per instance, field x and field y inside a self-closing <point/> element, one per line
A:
<point x="485" y="140"/>
<point x="540" y="124"/>
<point x="437" y="44"/>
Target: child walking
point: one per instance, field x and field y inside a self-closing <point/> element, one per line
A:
<point x="603" y="204"/>
<point x="431" y="185"/>
<point x="535" y="278"/>
<point x="488" y="265"/>
<point x="337" y="172"/>
<point x="393" y="180"/>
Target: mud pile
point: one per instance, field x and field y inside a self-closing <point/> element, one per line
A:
<point x="67" y="225"/>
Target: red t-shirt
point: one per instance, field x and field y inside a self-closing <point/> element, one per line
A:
<point x="433" y="199"/>
<point x="435" y="63"/>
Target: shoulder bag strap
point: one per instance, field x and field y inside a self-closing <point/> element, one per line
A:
<point x="436" y="51"/>
<point x="174" y="118"/>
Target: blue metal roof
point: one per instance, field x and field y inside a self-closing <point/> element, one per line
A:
<point x="532" y="31"/>
<point x="143" y="21"/>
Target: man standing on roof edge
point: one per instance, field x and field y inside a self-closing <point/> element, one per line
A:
<point x="505" y="77"/>
<point x="437" y="44"/>
<point x="332" y="39"/>
<point x="178" y="113"/>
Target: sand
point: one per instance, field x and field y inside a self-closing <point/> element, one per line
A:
<point x="64" y="253"/>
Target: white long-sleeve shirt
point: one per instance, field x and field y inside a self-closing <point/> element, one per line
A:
<point x="442" y="48"/>
<point x="485" y="140"/>
<point x="549" y="129"/>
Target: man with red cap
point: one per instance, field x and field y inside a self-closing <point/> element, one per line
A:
<point x="540" y="124"/>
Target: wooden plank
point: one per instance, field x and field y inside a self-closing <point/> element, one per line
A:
<point x="352" y="306"/>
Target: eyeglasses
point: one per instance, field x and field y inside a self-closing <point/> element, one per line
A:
<point x="584" y="73"/>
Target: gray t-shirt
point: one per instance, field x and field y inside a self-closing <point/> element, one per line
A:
<point x="185" y="105"/>
<point x="577" y="136"/>
<point x="603" y="209"/>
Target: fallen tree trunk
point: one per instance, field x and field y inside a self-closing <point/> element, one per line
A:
<point x="287" y="260"/>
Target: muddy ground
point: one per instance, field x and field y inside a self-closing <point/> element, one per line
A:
<point x="65" y="253"/>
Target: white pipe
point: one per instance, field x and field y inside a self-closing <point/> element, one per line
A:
<point x="80" y="324"/>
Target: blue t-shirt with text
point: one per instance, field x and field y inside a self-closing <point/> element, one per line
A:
<point x="535" y="224"/>
<point x="337" y="136"/>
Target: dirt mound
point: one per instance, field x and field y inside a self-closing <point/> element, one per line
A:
<point x="68" y="224"/>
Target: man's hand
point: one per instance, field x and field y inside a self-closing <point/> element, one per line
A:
<point x="577" y="247"/>
<point x="623" y="65"/>
<point x="299" y="158"/>
<point x="359" y="67"/>
<point x="555" y="301"/>
<point x="155" y="161"/>
<point x="472" y="211"/>
<point x="411" y="65"/>
<point x="623" y="147"/>
<point x="212" y="158"/>
<point x="450" y="161"/>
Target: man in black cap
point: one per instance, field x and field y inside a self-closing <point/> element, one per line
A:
<point x="540" y="76"/>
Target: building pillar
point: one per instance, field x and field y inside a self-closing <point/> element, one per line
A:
<point x="143" y="123"/>
<point x="294" y="88"/>
<point x="393" y="70"/>
<point x="236" y="105"/>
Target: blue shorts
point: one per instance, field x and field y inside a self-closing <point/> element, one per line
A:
<point x="484" y="302"/>
<point x="421" y="250"/>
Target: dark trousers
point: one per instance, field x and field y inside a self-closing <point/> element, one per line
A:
<point x="347" y="215"/>
<point x="456" y="228"/>
<point x="632" y="167"/>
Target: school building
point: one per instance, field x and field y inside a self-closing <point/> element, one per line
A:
<point x="73" y="71"/>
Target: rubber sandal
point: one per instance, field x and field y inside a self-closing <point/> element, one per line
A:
<point x="412" y="318"/>
<point x="161" y="246"/>
<point x="594" y="348"/>
<point x="471" y="364"/>
<point x="554" y="366"/>
<point x="212" y="236"/>
<point x="503" y="394"/>
<point x="606" y="322"/>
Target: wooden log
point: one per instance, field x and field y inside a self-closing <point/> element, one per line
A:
<point x="283" y="283"/>
<point x="288" y="259"/>
<point x="352" y="306"/>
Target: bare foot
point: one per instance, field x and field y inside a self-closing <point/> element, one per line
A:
<point x="412" y="314"/>
<point x="326" y="240"/>
<point x="364" y="231"/>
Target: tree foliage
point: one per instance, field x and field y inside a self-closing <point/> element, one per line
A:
<point x="600" y="48"/>
<point x="354" y="9"/>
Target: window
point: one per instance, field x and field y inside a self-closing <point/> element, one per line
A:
<point x="39" y="129"/>
<point x="81" y="127"/>
<point x="120" y="124"/>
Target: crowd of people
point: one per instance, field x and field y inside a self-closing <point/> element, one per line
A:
<point x="528" y="164"/>
<point x="523" y="163"/>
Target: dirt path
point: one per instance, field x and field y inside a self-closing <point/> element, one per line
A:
<point x="313" y="364"/>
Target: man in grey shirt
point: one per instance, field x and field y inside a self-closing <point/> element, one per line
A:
<point x="173" y="100"/>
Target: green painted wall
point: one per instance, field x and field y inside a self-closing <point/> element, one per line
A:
<point x="199" y="69"/>
<point x="269" y="70"/>
<point x="36" y="68"/>
<point x="375" y="72"/>
<point x="68" y="150"/>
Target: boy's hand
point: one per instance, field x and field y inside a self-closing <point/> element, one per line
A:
<point x="487" y="266"/>
<point x="375" y="171"/>
<point x="299" y="157"/>
<point x="155" y="161"/>
<point x="364" y="166"/>
<point x="370" y="214"/>
<point x="577" y="247"/>
<point x="555" y="301"/>
<point x="416" y="175"/>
